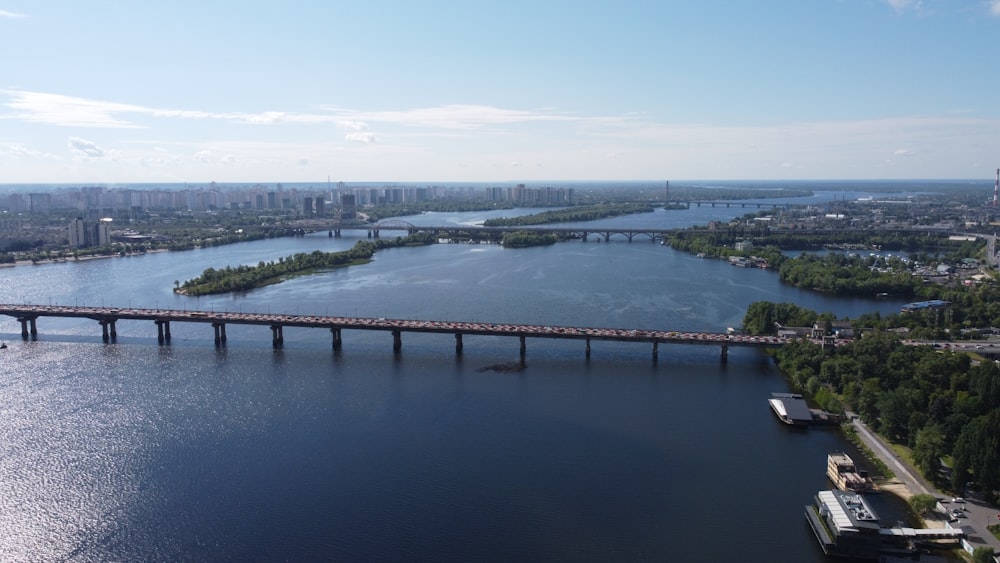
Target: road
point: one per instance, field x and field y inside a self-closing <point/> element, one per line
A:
<point x="978" y="514"/>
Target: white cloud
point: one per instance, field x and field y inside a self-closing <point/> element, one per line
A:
<point x="455" y="116"/>
<point x="11" y="15"/>
<point x="901" y="6"/>
<point x="67" y="111"/>
<point x="86" y="149"/>
<point x="359" y="125"/>
<point x="70" y="111"/>
<point x="21" y="152"/>
<point x="995" y="7"/>
<point x="904" y="152"/>
<point x="360" y="137"/>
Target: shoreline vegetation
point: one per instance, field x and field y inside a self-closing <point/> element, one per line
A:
<point x="942" y="406"/>
<point x="245" y="278"/>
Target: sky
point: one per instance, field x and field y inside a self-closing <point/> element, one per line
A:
<point x="483" y="91"/>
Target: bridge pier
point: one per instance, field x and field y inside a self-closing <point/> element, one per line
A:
<point x="584" y="236"/>
<point x="524" y="347"/>
<point x="162" y="331"/>
<point x="656" y="350"/>
<point x="588" y="347"/>
<point x="27" y="322"/>
<point x="458" y="343"/>
<point x="397" y="341"/>
<point x="337" y="343"/>
<point x="725" y="353"/>
<point x="108" y="331"/>
<point x="220" y="333"/>
<point x="277" y="336"/>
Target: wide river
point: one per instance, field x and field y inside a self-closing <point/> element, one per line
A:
<point x="133" y="451"/>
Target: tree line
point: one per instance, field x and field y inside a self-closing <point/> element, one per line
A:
<point x="939" y="403"/>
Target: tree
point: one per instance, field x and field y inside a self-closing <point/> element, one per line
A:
<point x="982" y="554"/>
<point x="923" y="503"/>
<point x="928" y="449"/>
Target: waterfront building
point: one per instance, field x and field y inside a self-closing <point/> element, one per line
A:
<point x="791" y="408"/>
<point x="845" y="525"/>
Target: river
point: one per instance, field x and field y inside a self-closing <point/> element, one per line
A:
<point x="133" y="451"/>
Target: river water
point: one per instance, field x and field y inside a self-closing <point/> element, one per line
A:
<point x="133" y="451"/>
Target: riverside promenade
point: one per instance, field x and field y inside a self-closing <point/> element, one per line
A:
<point x="977" y="514"/>
<point x="108" y="317"/>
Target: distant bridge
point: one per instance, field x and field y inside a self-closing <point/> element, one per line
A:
<point x="374" y="230"/>
<point x="757" y="204"/>
<point x="601" y="233"/>
<point x="108" y="318"/>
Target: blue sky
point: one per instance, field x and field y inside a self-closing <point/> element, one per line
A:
<point x="379" y="90"/>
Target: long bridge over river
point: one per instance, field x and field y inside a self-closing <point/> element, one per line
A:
<point x="584" y="233"/>
<point x="108" y="317"/>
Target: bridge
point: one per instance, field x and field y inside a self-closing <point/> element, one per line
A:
<point x="108" y="317"/>
<point x="374" y="230"/>
<point x="735" y="203"/>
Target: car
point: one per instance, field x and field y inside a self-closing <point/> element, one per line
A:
<point x="958" y="500"/>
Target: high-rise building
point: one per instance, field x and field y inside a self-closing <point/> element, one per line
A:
<point x="348" y="207"/>
<point x="89" y="233"/>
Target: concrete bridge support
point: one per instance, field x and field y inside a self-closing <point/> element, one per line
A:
<point x="458" y="343"/>
<point x="524" y="347"/>
<point x="162" y="331"/>
<point x="220" y="333"/>
<point x="337" y="342"/>
<point x="397" y="341"/>
<point x="108" y="331"/>
<point x="277" y="336"/>
<point x="725" y="353"/>
<point x="28" y="327"/>
<point x="656" y="350"/>
<point x="588" y="347"/>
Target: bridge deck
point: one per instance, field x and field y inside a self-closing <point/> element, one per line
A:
<point x="394" y="325"/>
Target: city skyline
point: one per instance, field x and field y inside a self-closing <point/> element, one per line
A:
<point x="455" y="91"/>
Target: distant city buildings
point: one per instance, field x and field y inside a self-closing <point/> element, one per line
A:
<point x="95" y="202"/>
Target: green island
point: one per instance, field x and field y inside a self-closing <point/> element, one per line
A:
<point x="524" y="239"/>
<point x="572" y="214"/>
<point x="245" y="278"/>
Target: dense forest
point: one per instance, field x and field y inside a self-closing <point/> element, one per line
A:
<point x="943" y="405"/>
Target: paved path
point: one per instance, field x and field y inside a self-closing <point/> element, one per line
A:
<point x="978" y="514"/>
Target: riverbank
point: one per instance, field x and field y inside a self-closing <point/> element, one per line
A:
<point x="78" y="258"/>
<point x="908" y="482"/>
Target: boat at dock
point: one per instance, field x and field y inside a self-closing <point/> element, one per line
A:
<point x="792" y="409"/>
<point x="842" y="471"/>
<point x="845" y="525"/>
